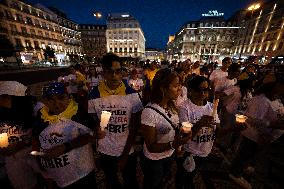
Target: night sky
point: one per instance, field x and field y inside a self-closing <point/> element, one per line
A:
<point x="158" y="18"/>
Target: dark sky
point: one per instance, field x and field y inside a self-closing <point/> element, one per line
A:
<point x="158" y="18"/>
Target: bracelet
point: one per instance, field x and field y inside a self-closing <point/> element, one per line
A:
<point x="68" y="147"/>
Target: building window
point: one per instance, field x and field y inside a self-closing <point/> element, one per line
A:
<point x="29" y="21"/>
<point x="32" y="31"/>
<point x="39" y="33"/>
<point x="47" y="34"/>
<point x="18" y="43"/>
<point x="24" y="30"/>
<point x="13" y="28"/>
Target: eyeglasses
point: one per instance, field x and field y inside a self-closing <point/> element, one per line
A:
<point x="114" y="71"/>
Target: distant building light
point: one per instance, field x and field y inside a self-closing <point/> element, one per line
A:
<point x="213" y="13"/>
<point x="125" y="15"/>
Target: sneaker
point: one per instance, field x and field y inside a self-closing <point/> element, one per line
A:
<point x="241" y="181"/>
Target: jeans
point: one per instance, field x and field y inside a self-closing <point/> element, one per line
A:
<point x="155" y="171"/>
<point x="109" y="165"/>
<point x="184" y="179"/>
<point x="87" y="182"/>
<point x="247" y="151"/>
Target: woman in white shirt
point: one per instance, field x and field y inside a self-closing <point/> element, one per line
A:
<point x="159" y="121"/>
<point x="198" y="111"/>
<point x="93" y="77"/>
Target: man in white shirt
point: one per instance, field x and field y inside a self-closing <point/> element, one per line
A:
<point x="220" y="74"/>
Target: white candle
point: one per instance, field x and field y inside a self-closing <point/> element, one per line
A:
<point x="36" y="153"/>
<point x="105" y="116"/>
<point x="215" y="107"/>
<point x="4" y="140"/>
<point x="241" y="118"/>
<point x="186" y="127"/>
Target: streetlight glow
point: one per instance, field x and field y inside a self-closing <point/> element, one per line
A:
<point x="97" y="15"/>
<point x="254" y="7"/>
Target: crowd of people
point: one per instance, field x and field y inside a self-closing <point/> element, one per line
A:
<point x="52" y="139"/>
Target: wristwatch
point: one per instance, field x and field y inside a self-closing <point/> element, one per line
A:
<point x="171" y="145"/>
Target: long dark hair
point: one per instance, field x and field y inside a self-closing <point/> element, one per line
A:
<point x="160" y="86"/>
<point x="90" y="73"/>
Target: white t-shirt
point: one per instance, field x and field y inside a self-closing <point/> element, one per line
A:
<point x="121" y="107"/>
<point x="164" y="130"/>
<point x="217" y="75"/>
<point x="224" y="83"/>
<point x="232" y="102"/>
<point x="72" y="166"/>
<point x="202" y="143"/>
<point x="136" y="84"/>
<point x="94" y="81"/>
<point x="259" y="108"/>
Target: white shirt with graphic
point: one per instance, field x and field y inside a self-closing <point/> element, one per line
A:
<point x="259" y="108"/>
<point x="121" y="107"/>
<point x="71" y="166"/>
<point x="202" y="143"/>
<point x="217" y="75"/>
<point x="233" y="100"/>
<point x="164" y="130"/>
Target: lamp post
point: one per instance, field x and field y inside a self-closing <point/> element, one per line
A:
<point x="251" y="8"/>
<point x="98" y="15"/>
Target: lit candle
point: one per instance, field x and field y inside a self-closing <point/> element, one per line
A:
<point x="4" y="140"/>
<point x="241" y="118"/>
<point x="186" y="127"/>
<point x="105" y="116"/>
<point x="36" y="153"/>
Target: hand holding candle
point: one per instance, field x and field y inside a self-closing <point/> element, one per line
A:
<point x="105" y="116"/>
<point x="4" y="143"/>
<point x="186" y="127"/>
<point x="241" y="118"/>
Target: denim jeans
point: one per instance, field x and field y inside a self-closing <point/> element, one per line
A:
<point x="109" y="165"/>
<point x="155" y="171"/>
<point x="247" y="151"/>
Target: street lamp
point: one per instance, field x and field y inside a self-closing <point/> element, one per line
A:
<point x="98" y="15"/>
<point x="251" y="8"/>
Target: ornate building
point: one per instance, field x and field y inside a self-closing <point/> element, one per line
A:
<point x="93" y="40"/>
<point x="125" y="36"/>
<point x="263" y="31"/>
<point x="32" y="28"/>
<point x="208" y="39"/>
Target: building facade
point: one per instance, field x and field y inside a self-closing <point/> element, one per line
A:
<point x="154" y="55"/>
<point x="32" y="28"/>
<point x="209" y="39"/>
<point x="125" y="36"/>
<point x="262" y="32"/>
<point x="93" y="40"/>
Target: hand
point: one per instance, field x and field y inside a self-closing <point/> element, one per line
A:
<point x="181" y="139"/>
<point x="101" y="134"/>
<point x="122" y="162"/>
<point x="241" y="126"/>
<point x="54" y="152"/>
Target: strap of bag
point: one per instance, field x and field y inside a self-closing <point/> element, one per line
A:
<point x="162" y="114"/>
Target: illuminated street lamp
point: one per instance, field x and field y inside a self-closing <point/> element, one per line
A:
<point x="251" y="8"/>
<point x="98" y="15"/>
<point x="254" y="7"/>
